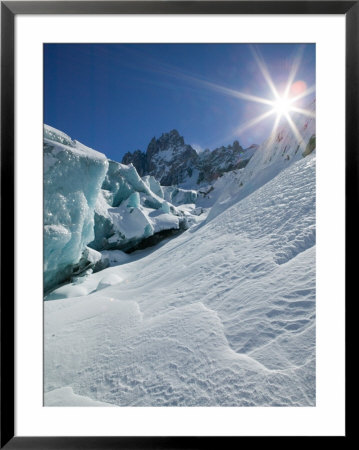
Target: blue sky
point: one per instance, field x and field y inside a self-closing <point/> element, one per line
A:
<point x="116" y="97"/>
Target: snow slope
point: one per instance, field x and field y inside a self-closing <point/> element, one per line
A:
<point x="278" y="152"/>
<point x="223" y="315"/>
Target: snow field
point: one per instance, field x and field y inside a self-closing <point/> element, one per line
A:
<point x="223" y="315"/>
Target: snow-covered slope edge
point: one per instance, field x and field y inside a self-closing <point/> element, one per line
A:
<point x="229" y="322"/>
<point x="279" y="151"/>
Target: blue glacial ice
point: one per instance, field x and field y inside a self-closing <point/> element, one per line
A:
<point x="93" y="204"/>
<point x="73" y="175"/>
<point x="130" y="208"/>
<point x="178" y="196"/>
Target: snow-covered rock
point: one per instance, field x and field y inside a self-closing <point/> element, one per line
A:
<point x="169" y="159"/>
<point x="73" y="175"/>
<point x="174" y="163"/>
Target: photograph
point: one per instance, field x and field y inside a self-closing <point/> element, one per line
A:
<point x="179" y="224"/>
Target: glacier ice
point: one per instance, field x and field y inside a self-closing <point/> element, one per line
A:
<point x="154" y="185"/>
<point x="130" y="209"/>
<point x="133" y="200"/>
<point x="115" y="186"/>
<point x="178" y="196"/>
<point x="73" y="175"/>
<point x="93" y="204"/>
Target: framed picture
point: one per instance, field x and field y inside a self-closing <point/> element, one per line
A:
<point x="173" y="243"/>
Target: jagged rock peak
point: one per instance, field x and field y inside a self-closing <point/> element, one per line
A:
<point x="173" y="162"/>
<point x="138" y="159"/>
<point x="172" y="139"/>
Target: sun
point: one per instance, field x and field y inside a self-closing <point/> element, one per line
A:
<point x="282" y="106"/>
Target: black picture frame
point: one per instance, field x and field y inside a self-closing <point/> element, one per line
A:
<point x="9" y="9"/>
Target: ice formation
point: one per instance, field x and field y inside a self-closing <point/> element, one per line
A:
<point x="130" y="209"/>
<point x="93" y="204"/>
<point x="73" y="175"/>
<point x="179" y="196"/>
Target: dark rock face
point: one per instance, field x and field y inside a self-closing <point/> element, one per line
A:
<point x="173" y="162"/>
<point x="138" y="159"/>
<point x="212" y="164"/>
<point x="169" y="158"/>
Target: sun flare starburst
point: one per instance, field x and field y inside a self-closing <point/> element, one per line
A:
<point x="282" y="105"/>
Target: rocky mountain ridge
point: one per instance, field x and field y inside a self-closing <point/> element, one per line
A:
<point x="173" y="162"/>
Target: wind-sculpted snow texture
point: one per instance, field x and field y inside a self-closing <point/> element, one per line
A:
<point x="173" y="162"/>
<point x="73" y="174"/>
<point x="223" y="315"/>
